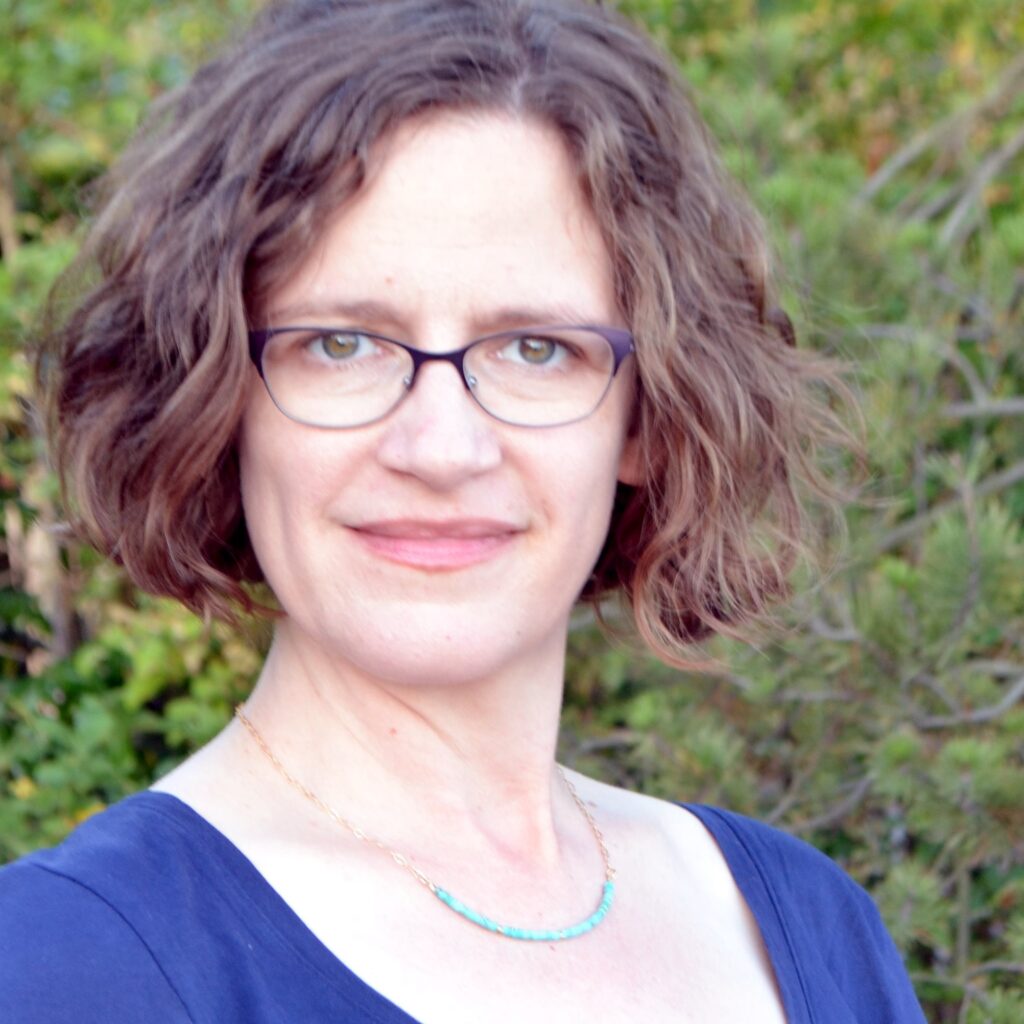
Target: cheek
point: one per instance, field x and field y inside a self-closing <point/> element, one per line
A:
<point x="580" y="484"/>
<point x="281" y="475"/>
<point x="599" y="470"/>
<point x="261" y="505"/>
<point x="284" y="516"/>
<point x="280" y="461"/>
<point x="259" y="466"/>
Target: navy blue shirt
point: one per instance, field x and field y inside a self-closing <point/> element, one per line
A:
<point x="147" y="913"/>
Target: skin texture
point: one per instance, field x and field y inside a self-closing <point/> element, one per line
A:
<point x="466" y="221"/>
<point x="474" y="217"/>
<point x="416" y="688"/>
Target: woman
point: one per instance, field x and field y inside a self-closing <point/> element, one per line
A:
<point x="432" y="315"/>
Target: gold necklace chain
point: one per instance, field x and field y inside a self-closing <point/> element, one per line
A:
<point x="399" y="858"/>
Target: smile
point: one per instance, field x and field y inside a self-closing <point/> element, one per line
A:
<point x="437" y="545"/>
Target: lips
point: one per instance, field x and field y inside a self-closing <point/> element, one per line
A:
<point x="423" y="528"/>
<point x="436" y="544"/>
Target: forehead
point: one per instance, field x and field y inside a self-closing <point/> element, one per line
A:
<point x="461" y="215"/>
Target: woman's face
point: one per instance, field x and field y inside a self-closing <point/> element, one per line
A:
<point x="438" y="543"/>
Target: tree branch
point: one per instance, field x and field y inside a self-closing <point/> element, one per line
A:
<point x="982" y="408"/>
<point x="977" y="716"/>
<point x="912" y="527"/>
<point x="965" y="212"/>
<point x="845" y="806"/>
<point x="8" y="226"/>
<point x="953" y="126"/>
<point x="995" y="966"/>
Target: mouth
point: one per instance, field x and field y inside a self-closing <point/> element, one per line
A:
<point x="437" y="544"/>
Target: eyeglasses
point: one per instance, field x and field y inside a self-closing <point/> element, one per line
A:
<point x="532" y="377"/>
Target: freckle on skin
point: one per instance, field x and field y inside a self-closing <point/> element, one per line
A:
<point x="393" y="731"/>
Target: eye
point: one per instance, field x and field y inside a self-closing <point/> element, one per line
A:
<point x="534" y="351"/>
<point x="341" y="346"/>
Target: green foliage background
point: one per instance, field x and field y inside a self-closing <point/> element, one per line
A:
<point x="883" y="140"/>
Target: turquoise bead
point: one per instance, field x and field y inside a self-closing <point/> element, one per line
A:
<point x="531" y="934"/>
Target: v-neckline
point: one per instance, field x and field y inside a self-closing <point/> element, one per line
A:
<point x="253" y="887"/>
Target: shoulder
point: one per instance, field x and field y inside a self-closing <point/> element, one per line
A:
<point x="140" y="849"/>
<point x="724" y="851"/>
<point x="68" y="955"/>
<point x="71" y="947"/>
<point x="826" y="938"/>
<point x="829" y="922"/>
<point x="740" y="848"/>
<point x="807" y="887"/>
<point x="788" y="865"/>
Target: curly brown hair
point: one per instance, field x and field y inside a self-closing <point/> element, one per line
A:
<point x="226" y="188"/>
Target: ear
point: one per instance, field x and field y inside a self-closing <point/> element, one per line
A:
<point x="631" y="461"/>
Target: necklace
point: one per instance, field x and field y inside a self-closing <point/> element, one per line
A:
<point x="460" y="908"/>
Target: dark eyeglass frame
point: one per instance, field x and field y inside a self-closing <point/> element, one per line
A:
<point x="620" y="341"/>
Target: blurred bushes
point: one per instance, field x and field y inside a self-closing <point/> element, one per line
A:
<point x="885" y="722"/>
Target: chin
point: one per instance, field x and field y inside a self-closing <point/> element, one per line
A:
<point x="442" y="646"/>
<point x="431" y="665"/>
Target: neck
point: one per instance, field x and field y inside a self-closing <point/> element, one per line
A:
<point x="469" y="764"/>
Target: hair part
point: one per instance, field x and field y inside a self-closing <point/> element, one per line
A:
<point x="226" y="188"/>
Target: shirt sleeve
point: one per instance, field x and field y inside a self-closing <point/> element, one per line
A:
<point x="865" y="963"/>
<point x="69" y="957"/>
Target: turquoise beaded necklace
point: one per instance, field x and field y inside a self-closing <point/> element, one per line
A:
<point x="453" y="904"/>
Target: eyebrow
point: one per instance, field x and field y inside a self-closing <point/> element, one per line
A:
<point x="370" y="312"/>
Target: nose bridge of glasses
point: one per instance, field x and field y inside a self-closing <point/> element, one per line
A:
<point x="420" y="357"/>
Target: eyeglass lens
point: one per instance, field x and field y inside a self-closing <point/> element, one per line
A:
<point x="348" y="378"/>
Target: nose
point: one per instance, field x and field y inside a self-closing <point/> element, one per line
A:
<point x="438" y="433"/>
